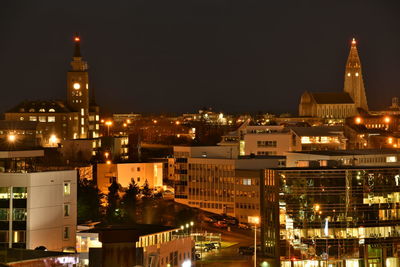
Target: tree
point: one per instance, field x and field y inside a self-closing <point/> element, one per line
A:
<point x="129" y="202"/>
<point x="146" y="190"/>
<point x="88" y="201"/>
<point x="113" y="212"/>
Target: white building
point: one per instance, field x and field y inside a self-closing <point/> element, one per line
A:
<point x="361" y="157"/>
<point x="36" y="208"/>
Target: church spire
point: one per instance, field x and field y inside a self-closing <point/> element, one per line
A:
<point x="353" y="81"/>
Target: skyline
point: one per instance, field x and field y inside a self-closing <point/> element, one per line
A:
<point x="144" y="58"/>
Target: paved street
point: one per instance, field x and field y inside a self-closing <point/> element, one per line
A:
<point x="228" y="257"/>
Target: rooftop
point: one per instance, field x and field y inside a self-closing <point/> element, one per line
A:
<point x="141" y="229"/>
<point x="332" y="98"/>
<point x="350" y="152"/>
<point x="318" y="131"/>
<point x="40" y="106"/>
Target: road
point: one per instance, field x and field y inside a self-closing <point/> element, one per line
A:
<point x="228" y="257"/>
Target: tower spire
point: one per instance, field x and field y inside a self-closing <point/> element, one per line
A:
<point x="353" y="81"/>
<point x="77" y="63"/>
<point x="77" y="42"/>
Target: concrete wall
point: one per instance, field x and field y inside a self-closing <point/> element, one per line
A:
<point x="45" y="207"/>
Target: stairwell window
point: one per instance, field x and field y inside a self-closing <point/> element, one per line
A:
<point x="67" y="188"/>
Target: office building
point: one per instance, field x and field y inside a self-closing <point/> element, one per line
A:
<point x="339" y="216"/>
<point x="36" y="208"/>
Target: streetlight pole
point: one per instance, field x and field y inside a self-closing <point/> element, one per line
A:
<point x="256" y="221"/>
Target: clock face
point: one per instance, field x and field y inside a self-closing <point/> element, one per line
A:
<point x="77" y="86"/>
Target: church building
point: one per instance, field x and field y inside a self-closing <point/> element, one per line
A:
<point x="339" y="105"/>
<point x="77" y="117"/>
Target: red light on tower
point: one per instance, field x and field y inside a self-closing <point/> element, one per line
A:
<point x="77" y="39"/>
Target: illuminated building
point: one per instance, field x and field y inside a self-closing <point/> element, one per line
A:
<point x="136" y="245"/>
<point x="37" y="208"/>
<point x="124" y="173"/>
<point x="331" y="215"/>
<point x="337" y="158"/>
<point x="339" y="105"/>
<point x="78" y="117"/>
<point x="216" y="179"/>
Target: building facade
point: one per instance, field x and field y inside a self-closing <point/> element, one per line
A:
<point x="347" y="215"/>
<point x="36" y="208"/>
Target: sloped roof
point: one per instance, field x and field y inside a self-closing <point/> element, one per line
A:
<point x="332" y="98"/>
<point x="36" y="106"/>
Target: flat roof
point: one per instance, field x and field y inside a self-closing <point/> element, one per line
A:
<point x="348" y="152"/>
<point x="9" y="255"/>
<point x="325" y="168"/>
<point x="141" y="229"/>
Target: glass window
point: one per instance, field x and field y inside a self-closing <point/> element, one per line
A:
<point x="67" y="188"/>
<point x="42" y="118"/>
<point x="67" y="208"/>
<point x="32" y="118"/>
<point x="51" y="119"/>
<point x="3" y="236"/>
<point x="18" y="236"/>
<point x="21" y="118"/>
<point x="4" y="214"/>
<point x="4" y="193"/>
<point x="19" y="215"/>
<point x="52" y="110"/>
<point x="20" y="192"/>
<point x="66" y="232"/>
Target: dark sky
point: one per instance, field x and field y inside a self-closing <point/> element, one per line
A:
<point x="181" y="55"/>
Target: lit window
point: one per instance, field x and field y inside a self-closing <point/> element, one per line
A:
<point x="305" y="140"/>
<point x="82" y="130"/>
<point x="82" y="121"/>
<point x="51" y="119"/>
<point x="349" y="74"/>
<point x="42" y="110"/>
<point x="20" y="193"/>
<point x="67" y="188"/>
<point x="391" y="159"/>
<point x="52" y="110"/>
<point x="82" y="112"/>
<point x="19" y="214"/>
<point x="77" y="86"/>
<point x="32" y="118"/>
<point x="42" y="118"/>
<point x="97" y="127"/>
<point x="21" y="118"/>
<point x="97" y="117"/>
<point x="91" y="118"/>
<point x="357" y="74"/>
<point x="32" y="110"/>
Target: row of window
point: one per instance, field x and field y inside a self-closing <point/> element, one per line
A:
<point x="266" y="143"/>
<point x="266" y="153"/>
<point x="19" y="214"/>
<point x="17" y="237"/>
<point x="40" y="118"/>
<point x="249" y="206"/>
<point x="18" y="192"/>
<point x="32" y="110"/>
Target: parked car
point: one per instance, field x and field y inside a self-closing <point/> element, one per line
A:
<point x="246" y="250"/>
<point x="243" y="226"/>
<point x="231" y="220"/>
<point x="221" y="224"/>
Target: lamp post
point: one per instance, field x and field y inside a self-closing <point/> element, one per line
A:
<point x="108" y="124"/>
<point x="256" y="221"/>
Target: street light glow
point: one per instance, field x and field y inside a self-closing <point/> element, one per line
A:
<point x="11" y="138"/>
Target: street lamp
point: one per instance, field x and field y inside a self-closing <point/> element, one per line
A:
<point x="256" y="222"/>
<point x="108" y="124"/>
<point x="11" y="138"/>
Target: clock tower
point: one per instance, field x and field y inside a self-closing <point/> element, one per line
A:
<point x="78" y="97"/>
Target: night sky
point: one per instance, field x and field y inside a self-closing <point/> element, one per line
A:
<point x="181" y="55"/>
